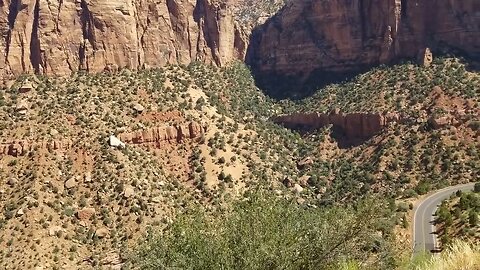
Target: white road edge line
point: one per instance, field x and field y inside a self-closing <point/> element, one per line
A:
<point x="458" y="187"/>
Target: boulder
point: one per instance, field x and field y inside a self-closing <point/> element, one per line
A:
<point x="22" y="106"/>
<point x="85" y="213"/>
<point x="128" y="191"/>
<point x="138" y="108"/>
<point x="308" y="161"/>
<point x="54" y="230"/>
<point x="438" y="122"/>
<point x="71" y="183"/>
<point x="195" y="130"/>
<point x="300" y="200"/>
<point x="297" y="189"/>
<point x="20" y="212"/>
<point x="25" y="87"/>
<point x="115" y="142"/>
<point x="303" y="180"/>
<point x="53" y="132"/>
<point x="102" y="232"/>
<point x="425" y="57"/>
<point x="87" y="177"/>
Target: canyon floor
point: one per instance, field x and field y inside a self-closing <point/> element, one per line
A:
<point x="198" y="135"/>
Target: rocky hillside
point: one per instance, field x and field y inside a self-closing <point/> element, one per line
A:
<point x="315" y="41"/>
<point x="74" y="196"/>
<point x="148" y="121"/>
<point x="425" y="122"/>
<point x="89" y="164"/>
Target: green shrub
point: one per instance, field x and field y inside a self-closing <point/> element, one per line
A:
<point x="477" y="187"/>
<point x="265" y="232"/>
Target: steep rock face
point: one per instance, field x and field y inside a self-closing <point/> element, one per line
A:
<point x="61" y="36"/>
<point x="314" y="40"/>
<point x="174" y="134"/>
<point x="353" y="125"/>
<point x="164" y="134"/>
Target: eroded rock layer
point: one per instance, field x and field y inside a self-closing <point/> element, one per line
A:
<point x="62" y="36"/>
<point x="157" y="135"/>
<point x="315" y="40"/>
<point x="353" y="125"/>
<point x="22" y="147"/>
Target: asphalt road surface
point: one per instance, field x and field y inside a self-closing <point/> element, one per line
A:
<point x="424" y="237"/>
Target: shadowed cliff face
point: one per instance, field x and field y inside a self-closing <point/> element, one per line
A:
<point x="314" y="42"/>
<point x="349" y="129"/>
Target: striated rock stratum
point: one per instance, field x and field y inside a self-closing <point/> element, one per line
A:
<point x="158" y="135"/>
<point x="353" y="125"/>
<point x="314" y="40"/>
<point x="62" y="36"/>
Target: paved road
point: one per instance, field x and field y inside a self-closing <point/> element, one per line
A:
<point x="424" y="237"/>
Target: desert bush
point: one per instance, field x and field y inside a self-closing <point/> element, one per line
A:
<point x="266" y="232"/>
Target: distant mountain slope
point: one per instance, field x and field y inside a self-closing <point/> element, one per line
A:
<point x="319" y="41"/>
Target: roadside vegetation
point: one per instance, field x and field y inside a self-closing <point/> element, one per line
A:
<point x="263" y="231"/>
<point x="458" y="256"/>
<point x="458" y="217"/>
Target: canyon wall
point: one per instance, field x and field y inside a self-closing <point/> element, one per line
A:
<point x="352" y="125"/>
<point x="306" y="40"/>
<point x="57" y="37"/>
<point x="315" y="40"/>
<point x="158" y="135"/>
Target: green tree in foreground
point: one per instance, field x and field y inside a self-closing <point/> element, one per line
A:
<point x="473" y="218"/>
<point x="266" y="232"/>
<point x="476" y="187"/>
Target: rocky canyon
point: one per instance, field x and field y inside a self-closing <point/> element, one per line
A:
<point x="319" y="41"/>
<point x="132" y="129"/>
<point x="306" y="41"/>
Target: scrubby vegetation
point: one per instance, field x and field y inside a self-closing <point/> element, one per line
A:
<point x="266" y="232"/>
<point x="146" y="186"/>
<point x="458" y="256"/>
<point x="404" y="88"/>
<point x="458" y="218"/>
<point x="251" y="11"/>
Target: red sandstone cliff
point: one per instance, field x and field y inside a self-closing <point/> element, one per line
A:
<point x="354" y="125"/>
<point x="315" y="37"/>
<point x="22" y="147"/>
<point x="162" y="134"/>
<point x="61" y="36"/>
<point x="157" y="135"/>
